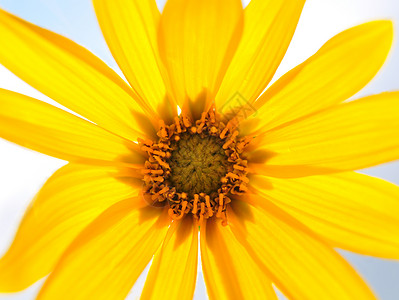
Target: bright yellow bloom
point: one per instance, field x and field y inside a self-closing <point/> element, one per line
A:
<point x="268" y="178"/>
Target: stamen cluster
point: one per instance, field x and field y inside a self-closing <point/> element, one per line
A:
<point x="158" y="186"/>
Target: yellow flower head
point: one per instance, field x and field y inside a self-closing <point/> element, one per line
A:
<point x="192" y="143"/>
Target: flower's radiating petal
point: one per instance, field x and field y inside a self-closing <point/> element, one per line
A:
<point x="130" y="29"/>
<point x="230" y="273"/>
<point x="342" y="67"/>
<point x="197" y="40"/>
<point x="173" y="272"/>
<point x="300" y="265"/>
<point x="349" y="136"/>
<point x="106" y="259"/>
<point x="269" y="27"/>
<point x="42" y="127"/>
<point x="72" y="198"/>
<point x="72" y="76"/>
<point x="351" y="211"/>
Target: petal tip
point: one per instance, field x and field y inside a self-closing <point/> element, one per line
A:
<point x="383" y="26"/>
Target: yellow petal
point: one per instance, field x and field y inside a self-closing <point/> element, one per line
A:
<point x="336" y="72"/>
<point x="269" y="27"/>
<point x="106" y="259"/>
<point x="349" y="136"/>
<point x="197" y="40"/>
<point x="72" y="198"/>
<point x="230" y="273"/>
<point x="71" y="75"/>
<point x="42" y="127"/>
<point x="173" y="272"/>
<point x="351" y="211"/>
<point x="300" y="265"/>
<point x="130" y="29"/>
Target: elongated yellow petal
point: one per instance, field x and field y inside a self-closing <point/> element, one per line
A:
<point x="269" y="27"/>
<point x="349" y="136"/>
<point x="72" y="198"/>
<point x="197" y="40"/>
<point x="109" y="255"/>
<point x="229" y="271"/>
<point x="336" y="72"/>
<point x="130" y="29"/>
<point x="351" y="211"/>
<point x="72" y="76"/>
<point x="300" y="265"/>
<point x="42" y="127"/>
<point x="173" y="273"/>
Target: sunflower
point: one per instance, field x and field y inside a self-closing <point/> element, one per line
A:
<point x="193" y="146"/>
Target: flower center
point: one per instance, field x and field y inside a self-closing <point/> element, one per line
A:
<point x="198" y="164"/>
<point x="194" y="167"/>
